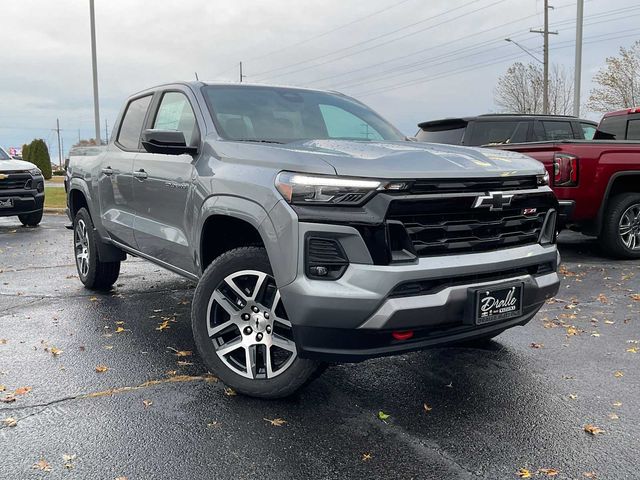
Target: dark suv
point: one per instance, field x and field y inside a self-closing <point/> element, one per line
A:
<point x="498" y="129"/>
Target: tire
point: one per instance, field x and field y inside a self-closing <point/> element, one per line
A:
<point x="31" y="219"/>
<point x="93" y="273"/>
<point x="264" y="363"/>
<point x="622" y="215"/>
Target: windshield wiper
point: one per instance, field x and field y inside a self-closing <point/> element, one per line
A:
<point x="257" y="140"/>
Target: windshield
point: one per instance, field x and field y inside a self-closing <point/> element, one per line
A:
<point x="4" y="155"/>
<point x="282" y="115"/>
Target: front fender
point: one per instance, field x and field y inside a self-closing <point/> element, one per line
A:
<point x="280" y="242"/>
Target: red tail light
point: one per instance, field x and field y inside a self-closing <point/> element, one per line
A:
<point x="565" y="168"/>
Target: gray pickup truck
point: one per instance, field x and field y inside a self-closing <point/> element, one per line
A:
<point x="316" y="231"/>
<point x="21" y="190"/>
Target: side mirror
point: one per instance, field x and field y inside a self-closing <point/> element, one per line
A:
<point x="66" y="163"/>
<point x="168" y="142"/>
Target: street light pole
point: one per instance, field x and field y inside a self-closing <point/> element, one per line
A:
<point x="94" y="64"/>
<point x="545" y="33"/>
<point x="577" y="73"/>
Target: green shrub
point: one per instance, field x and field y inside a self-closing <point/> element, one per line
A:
<point x="25" y="152"/>
<point x="39" y="156"/>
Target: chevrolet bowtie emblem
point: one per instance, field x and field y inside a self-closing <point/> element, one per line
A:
<point x="493" y="201"/>
<point x="3" y="176"/>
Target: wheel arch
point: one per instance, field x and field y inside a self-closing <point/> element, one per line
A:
<point x="620" y="182"/>
<point x="228" y="222"/>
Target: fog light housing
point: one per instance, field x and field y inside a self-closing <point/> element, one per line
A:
<point x="325" y="258"/>
<point x="549" y="232"/>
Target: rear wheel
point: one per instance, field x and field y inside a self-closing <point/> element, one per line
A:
<point x="94" y="273"/>
<point x="31" y="219"/>
<point x="620" y="235"/>
<point x="242" y="330"/>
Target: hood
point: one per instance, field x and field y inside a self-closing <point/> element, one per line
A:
<point x="13" y="165"/>
<point x="415" y="160"/>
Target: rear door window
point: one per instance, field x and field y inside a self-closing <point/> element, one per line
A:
<point x="588" y="130"/>
<point x="497" y="133"/>
<point x="557" y="130"/>
<point x="612" y="128"/>
<point x="633" y="130"/>
<point x="131" y="127"/>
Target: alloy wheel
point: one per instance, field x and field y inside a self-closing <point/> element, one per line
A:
<point x="81" y="235"/>
<point x="248" y="326"/>
<point x="629" y="227"/>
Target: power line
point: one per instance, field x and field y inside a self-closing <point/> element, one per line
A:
<point x="406" y="69"/>
<point x="377" y="37"/>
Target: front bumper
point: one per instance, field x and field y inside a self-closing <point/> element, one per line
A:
<point x="24" y="201"/>
<point x="352" y="318"/>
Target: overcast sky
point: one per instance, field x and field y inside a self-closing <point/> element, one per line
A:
<point x="411" y="60"/>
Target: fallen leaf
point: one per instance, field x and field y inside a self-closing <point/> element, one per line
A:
<point x="617" y="404"/>
<point x="523" y="473"/>
<point x="10" y="422"/>
<point x="589" y="474"/>
<point x="182" y="363"/>
<point x="93" y="299"/>
<point x="592" y="429"/>
<point x="602" y="298"/>
<point x="230" y="392"/>
<point x="3" y="341"/>
<point x="571" y="331"/>
<point x="276" y="422"/>
<point x="572" y="396"/>
<point x="636" y="297"/>
<point x="107" y="347"/>
<point x="43" y="465"/>
<point x="549" y="472"/>
<point x="121" y="478"/>
<point x="383" y="416"/>
<point x="366" y="457"/>
<point x="2" y="388"/>
<point x="212" y="424"/>
<point x="8" y="399"/>
<point x="613" y="416"/>
<point x="632" y="350"/>
<point x="426" y="407"/>
<point x="147" y="403"/>
<point x="618" y="374"/>
<point x="536" y="345"/>
<point x="609" y="322"/>
<point x="22" y="390"/>
<point x="171" y="372"/>
<point x="55" y="351"/>
<point x="68" y="459"/>
<point x="163" y="326"/>
<point x="181" y="353"/>
<point x="120" y="329"/>
<point x="101" y="368"/>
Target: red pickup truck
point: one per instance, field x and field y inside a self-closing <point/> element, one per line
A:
<point x="598" y="185"/>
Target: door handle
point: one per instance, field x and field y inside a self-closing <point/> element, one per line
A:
<point x="141" y="174"/>
<point x="108" y="171"/>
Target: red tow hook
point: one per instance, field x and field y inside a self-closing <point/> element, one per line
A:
<point x="402" y="334"/>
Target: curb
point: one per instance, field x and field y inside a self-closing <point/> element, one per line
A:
<point x="57" y="211"/>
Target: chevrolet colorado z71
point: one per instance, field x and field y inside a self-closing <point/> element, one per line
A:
<point x="315" y="230"/>
<point x="21" y="190"/>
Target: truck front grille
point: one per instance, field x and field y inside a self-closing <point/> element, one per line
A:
<point x="441" y="226"/>
<point x="16" y="181"/>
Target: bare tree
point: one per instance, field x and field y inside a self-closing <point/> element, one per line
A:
<point x="619" y="82"/>
<point x="520" y="90"/>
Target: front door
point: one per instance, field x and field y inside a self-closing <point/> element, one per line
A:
<point x="115" y="178"/>
<point x="162" y="188"/>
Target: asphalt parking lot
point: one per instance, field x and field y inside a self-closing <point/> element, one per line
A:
<point x="521" y="402"/>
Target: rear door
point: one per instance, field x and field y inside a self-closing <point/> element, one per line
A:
<point x="163" y="185"/>
<point x="115" y="178"/>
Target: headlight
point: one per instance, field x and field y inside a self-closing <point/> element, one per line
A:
<point x="543" y="179"/>
<point x="35" y="171"/>
<point x="300" y="188"/>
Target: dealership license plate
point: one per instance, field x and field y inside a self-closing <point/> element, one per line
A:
<point x="8" y="203"/>
<point x="494" y="304"/>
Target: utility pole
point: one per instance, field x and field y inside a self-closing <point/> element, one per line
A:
<point x="59" y="143"/>
<point x="545" y="33"/>
<point x="79" y="136"/>
<point x="94" y="64"/>
<point x="577" y="70"/>
<point x="106" y="130"/>
<point x="242" y="76"/>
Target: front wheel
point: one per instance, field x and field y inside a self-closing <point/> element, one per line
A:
<point x="31" y="219"/>
<point x="94" y="273"/>
<point x="242" y="330"/>
<point x="621" y="226"/>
